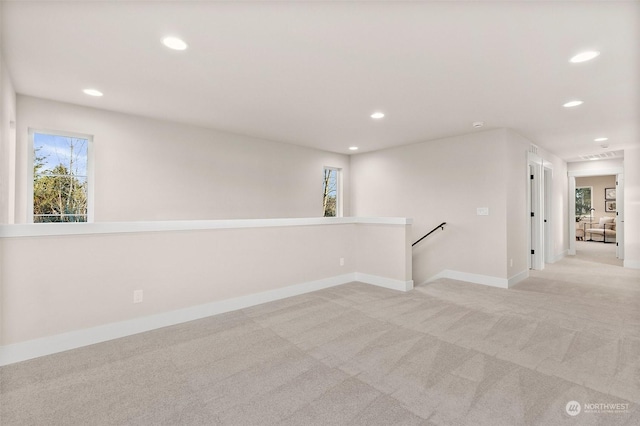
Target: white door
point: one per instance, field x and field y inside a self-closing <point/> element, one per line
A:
<point x="536" y="212"/>
<point x="548" y="235"/>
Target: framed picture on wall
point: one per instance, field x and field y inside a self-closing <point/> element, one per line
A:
<point x="610" y="206"/>
<point x="609" y="193"/>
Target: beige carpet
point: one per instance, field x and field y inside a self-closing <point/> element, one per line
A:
<point x="598" y="252"/>
<point x="449" y="353"/>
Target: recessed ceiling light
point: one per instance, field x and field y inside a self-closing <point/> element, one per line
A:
<point x="92" y="92"/>
<point x="572" y="104"/>
<point x="478" y="124"/>
<point x="601" y="139"/>
<point x="584" y="56"/>
<point x="377" y="115"/>
<point x="174" y="43"/>
<point x="353" y="148"/>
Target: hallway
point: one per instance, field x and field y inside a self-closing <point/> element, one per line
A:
<point x="597" y="252"/>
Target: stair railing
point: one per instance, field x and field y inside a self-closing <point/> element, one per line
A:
<point x="441" y="226"/>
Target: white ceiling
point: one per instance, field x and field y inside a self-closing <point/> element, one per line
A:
<point x="311" y="73"/>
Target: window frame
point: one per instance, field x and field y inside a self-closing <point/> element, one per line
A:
<point x="338" y="171"/>
<point x="90" y="172"/>
<point x="590" y="202"/>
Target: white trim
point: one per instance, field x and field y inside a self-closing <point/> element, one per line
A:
<point x="75" y="339"/>
<point x="23" y="351"/>
<point x="620" y="216"/>
<point x="90" y="181"/>
<point x="547" y="174"/>
<point x="384" y="282"/>
<point x="30" y="160"/>
<point x="632" y="264"/>
<point x="535" y="201"/>
<point x="90" y="172"/>
<point x="572" y="215"/>
<point x="534" y="158"/>
<point x="382" y="220"/>
<point x="572" y="174"/>
<point x="471" y="278"/>
<point x="517" y="278"/>
<point x="50" y="229"/>
<point x="559" y="256"/>
<point x="339" y="198"/>
<point x="596" y="172"/>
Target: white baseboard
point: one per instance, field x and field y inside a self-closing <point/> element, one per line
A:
<point x="517" y="278"/>
<point x="632" y="264"/>
<point x="560" y="256"/>
<point x="384" y="282"/>
<point x="23" y="351"/>
<point x="471" y="278"/>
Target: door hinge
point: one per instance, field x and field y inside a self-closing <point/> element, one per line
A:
<point x="531" y="176"/>
<point x="533" y="252"/>
<point x="533" y="214"/>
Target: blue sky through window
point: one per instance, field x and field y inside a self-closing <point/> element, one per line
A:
<point x="333" y="183"/>
<point x="57" y="150"/>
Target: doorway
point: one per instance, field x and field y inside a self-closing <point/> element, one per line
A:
<point x="604" y="211"/>
<point x="539" y="211"/>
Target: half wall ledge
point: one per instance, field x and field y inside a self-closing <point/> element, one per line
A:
<point x="45" y="229"/>
<point x="186" y="269"/>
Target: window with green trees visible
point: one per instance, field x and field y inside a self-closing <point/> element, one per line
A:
<point x="331" y="192"/>
<point x="583" y="200"/>
<point x="60" y="177"/>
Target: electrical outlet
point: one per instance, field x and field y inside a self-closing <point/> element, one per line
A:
<point x="137" y="296"/>
<point x="342" y="261"/>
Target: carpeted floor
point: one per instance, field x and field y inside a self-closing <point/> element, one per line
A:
<point x="449" y="353"/>
<point x="597" y="252"/>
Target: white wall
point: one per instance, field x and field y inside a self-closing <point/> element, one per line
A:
<point x="50" y="305"/>
<point x="442" y="181"/>
<point x="632" y="208"/>
<point x="559" y="220"/>
<point x="7" y="145"/>
<point x="515" y="163"/>
<point x="383" y="251"/>
<point x="148" y="169"/>
<point x="595" y="167"/>
<point x="175" y="269"/>
<point x="7" y="159"/>
<point x="446" y="180"/>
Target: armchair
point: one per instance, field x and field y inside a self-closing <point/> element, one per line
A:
<point x="604" y="230"/>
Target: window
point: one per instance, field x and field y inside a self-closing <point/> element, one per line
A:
<point x="61" y="180"/>
<point x="584" y="200"/>
<point x="331" y="193"/>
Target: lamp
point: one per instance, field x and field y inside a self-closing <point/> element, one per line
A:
<point x="591" y="215"/>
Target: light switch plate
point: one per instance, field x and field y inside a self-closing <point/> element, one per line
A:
<point x="483" y="211"/>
